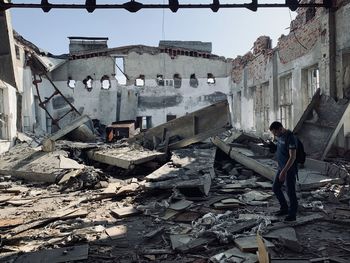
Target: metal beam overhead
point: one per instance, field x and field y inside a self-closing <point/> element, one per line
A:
<point x="134" y="6"/>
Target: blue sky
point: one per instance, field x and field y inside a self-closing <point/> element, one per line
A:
<point x="232" y="31"/>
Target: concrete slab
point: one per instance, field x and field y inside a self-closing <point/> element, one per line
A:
<point x="32" y="165"/>
<point x="308" y="178"/>
<point x="125" y="211"/>
<point x="188" y="129"/>
<point x="287" y="236"/>
<point x="124" y="157"/>
<point x="250" y="244"/>
<point x="49" y="143"/>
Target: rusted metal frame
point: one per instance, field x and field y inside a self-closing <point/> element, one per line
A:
<point x="64" y="115"/>
<point x="49" y="98"/>
<point x="59" y="92"/>
<point x="41" y="103"/>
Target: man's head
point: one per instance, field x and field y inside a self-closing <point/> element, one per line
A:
<point x="276" y="128"/>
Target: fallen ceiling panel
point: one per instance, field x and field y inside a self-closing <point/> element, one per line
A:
<point x="188" y="129"/>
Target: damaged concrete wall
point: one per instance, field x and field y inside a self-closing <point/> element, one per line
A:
<point x="300" y="63"/>
<point x="8" y="84"/>
<point x="88" y="84"/>
<point x="342" y="20"/>
<point x="162" y="99"/>
<point x="97" y="103"/>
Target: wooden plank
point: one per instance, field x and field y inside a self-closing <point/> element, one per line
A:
<point x="117" y="232"/>
<point x="57" y="255"/>
<point x="262" y="253"/>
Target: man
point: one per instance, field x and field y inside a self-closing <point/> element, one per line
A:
<point x="287" y="170"/>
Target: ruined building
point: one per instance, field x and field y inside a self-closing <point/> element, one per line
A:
<point x="152" y="85"/>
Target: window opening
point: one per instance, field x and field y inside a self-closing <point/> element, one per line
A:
<point x="193" y="81"/>
<point x="88" y="83"/>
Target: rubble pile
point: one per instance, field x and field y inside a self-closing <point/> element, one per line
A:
<point x="120" y="202"/>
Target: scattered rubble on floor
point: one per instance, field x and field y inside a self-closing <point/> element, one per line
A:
<point x="192" y="204"/>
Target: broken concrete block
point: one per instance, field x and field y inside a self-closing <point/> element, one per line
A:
<point x="194" y="184"/>
<point x="265" y="185"/>
<point x="117" y="232"/>
<point x="248" y="173"/>
<point x="234" y="172"/>
<point x="180" y="205"/>
<point x="67" y="163"/>
<point x="255" y="196"/>
<point x="287" y="236"/>
<point x="124" y="157"/>
<point x="153" y="233"/>
<point x="234" y="255"/>
<point x="56" y="255"/>
<point x="125" y="211"/>
<point x="227" y="167"/>
<point x="185" y="243"/>
<point x="250" y="244"/>
<point x="49" y="143"/>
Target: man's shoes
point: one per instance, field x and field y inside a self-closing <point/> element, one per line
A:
<point x="290" y="218"/>
<point x="281" y="213"/>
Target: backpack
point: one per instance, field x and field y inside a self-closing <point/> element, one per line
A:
<point x="301" y="155"/>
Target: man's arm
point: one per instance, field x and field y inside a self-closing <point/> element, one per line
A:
<point x="291" y="160"/>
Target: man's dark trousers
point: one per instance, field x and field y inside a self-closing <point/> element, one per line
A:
<point x="290" y="184"/>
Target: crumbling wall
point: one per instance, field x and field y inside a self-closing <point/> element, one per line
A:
<point x="8" y="83"/>
<point x="82" y="82"/>
<point x="342" y="21"/>
<point x="251" y="79"/>
<point x="161" y="100"/>
<point x="300" y="63"/>
<point x="151" y="65"/>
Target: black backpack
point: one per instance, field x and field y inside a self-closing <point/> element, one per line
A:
<point x="301" y="155"/>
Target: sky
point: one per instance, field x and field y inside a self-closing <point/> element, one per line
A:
<point x="231" y="31"/>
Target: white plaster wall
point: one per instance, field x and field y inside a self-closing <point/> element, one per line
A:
<point x="295" y="68"/>
<point x="151" y="65"/>
<point x="10" y="110"/>
<point x="28" y="106"/>
<point x="192" y="98"/>
<point x="79" y="69"/>
<point x="97" y="104"/>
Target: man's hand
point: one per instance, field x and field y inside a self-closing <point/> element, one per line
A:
<point x="282" y="176"/>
